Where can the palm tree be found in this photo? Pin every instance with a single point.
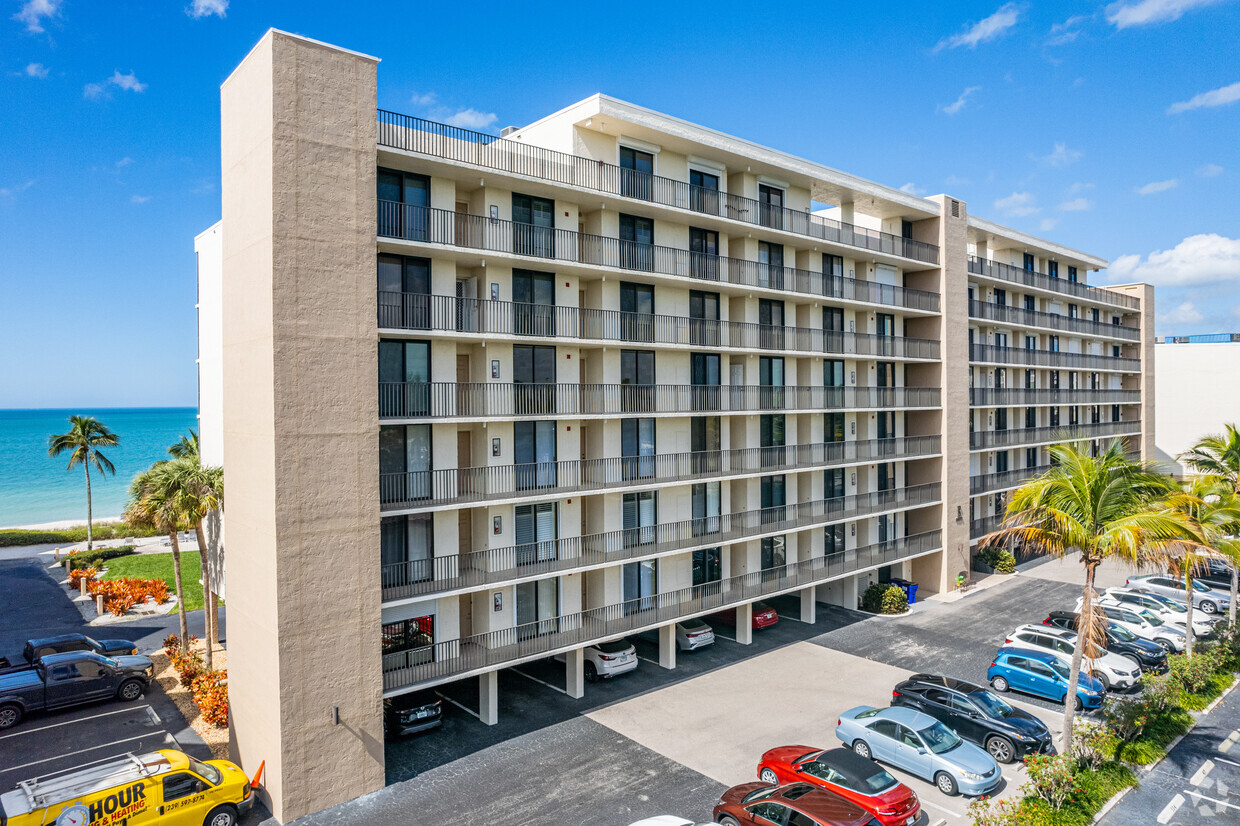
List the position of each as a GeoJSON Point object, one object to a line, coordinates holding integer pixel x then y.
{"type": "Point", "coordinates": [1220, 456]}
{"type": "Point", "coordinates": [195, 491]}
{"type": "Point", "coordinates": [186, 447]}
{"type": "Point", "coordinates": [1210, 503]}
{"type": "Point", "coordinates": [152, 503]}
{"type": "Point", "coordinates": [86, 435]}
{"type": "Point", "coordinates": [1097, 508]}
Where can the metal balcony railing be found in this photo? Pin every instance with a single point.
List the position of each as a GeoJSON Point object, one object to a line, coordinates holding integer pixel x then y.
{"type": "Point", "coordinates": [986, 524]}
{"type": "Point", "coordinates": [490, 152]}
{"type": "Point", "coordinates": [1032, 318]}
{"type": "Point", "coordinates": [1029, 278]}
{"type": "Point", "coordinates": [417, 311]}
{"type": "Point", "coordinates": [453, 658]}
{"type": "Point", "coordinates": [431, 488]}
{"type": "Point", "coordinates": [407, 400]}
{"type": "Point", "coordinates": [482, 568]}
{"type": "Point", "coordinates": [1050, 358]}
{"type": "Point", "coordinates": [1006, 479]}
{"type": "Point", "coordinates": [1033, 396]}
{"type": "Point", "coordinates": [437, 226]}
{"type": "Point", "coordinates": [1060, 433]}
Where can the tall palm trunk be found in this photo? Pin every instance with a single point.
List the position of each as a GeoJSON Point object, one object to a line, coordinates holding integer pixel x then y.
{"type": "Point", "coordinates": [176, 574]}
{"type": "Point", "coordinates": [1188, 618]}
{"type": "Point", "coordinates": [207, 595]}
{"type": "Point", "coordinates": [90, 532]}
{"type": "Point", "coordinates": [1084, 632]}
{"type": "Point", "coordinates": [1235, 592]}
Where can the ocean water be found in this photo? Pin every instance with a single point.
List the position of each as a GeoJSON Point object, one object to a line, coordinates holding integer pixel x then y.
{"type": "Point", "coordinates": [36, 488]}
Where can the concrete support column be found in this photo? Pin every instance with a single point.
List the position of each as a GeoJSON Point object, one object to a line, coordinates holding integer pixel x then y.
{"type": "Point", "coordinates": [744, 623]}
{"type": "Point", "coordinates": [809, 606]}
{"type": "Point", "coordinates": [667, 646]}
{"type": "Point", "coordinates": [488, 697]}
{"type": "Point", "coordinates": [574, 673]}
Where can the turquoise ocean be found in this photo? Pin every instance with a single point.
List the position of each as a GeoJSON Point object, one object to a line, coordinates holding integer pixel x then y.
{"type": "Point", "coordinates": [35, 488]}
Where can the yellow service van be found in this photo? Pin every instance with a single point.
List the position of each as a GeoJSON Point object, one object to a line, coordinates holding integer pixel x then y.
{"type": "Point", "coordinates": [164, 787]}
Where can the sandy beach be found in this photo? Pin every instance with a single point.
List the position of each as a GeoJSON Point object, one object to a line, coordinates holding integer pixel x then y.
{"type": "Point", "coordinates": [59, 526]}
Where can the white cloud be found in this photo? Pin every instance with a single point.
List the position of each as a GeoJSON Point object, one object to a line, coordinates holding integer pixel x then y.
{"type": "Point", "coordinates": [139, 199]}
{"type": "Point", "coordinates": [472, 119]}
{"type": "Point", "coordinates": [1210, 170]}
{"type": "Point", "coordinates": [1196, 261]}
{"type": "Point", "coordinates": [1018, 203]}
{"type": "Point", "coordinates": [1061, 155]}
{"type": "Point", "coordinates": [125, 161]}
{"type": "Point", "coordinates": [14, 191]}
{"type": "Point", "coordinates": [34, 11]}
{"type": "Point", "coordinates": [36, 70]}
{"type": "Point", "coordinates": [1215, 97]}
{"type": "Point", "coordinates": [1076, 205]}
{"type": "Point", "coordinates": [1048, 224]}
{"type": "Point", "coordinates": [1067, 31]}
{"type": "Point", "coordinates": [1078, 187]}
{"type": "Point", "coordinates": [956, 180]}
{"type": "Point", "coordinates": [1186, 313]}
{"type": "Point", "coordinates": [953, 108]}
{"type": "Point", "coordinates": [911, 189]}
{"type": "Point", "coordinates": [983, 30]}
{"type": "Point", "coordinates": [1157, 186]}
{"type": "Point", "coordinates": [419, 99]}
{"type": "Point", "coordinates": [203, 8]}
{"type": "Point", "coordinates": [1144, 12]}
{"type": "Point", "coordinates": [94, 91]}
{"type": "Point", "coordinates": [129, 82]}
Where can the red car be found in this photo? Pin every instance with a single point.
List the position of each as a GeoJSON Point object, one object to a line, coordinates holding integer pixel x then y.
{"type": "Point", "coordinates": [763, 616]}
{"type": "Point", "coordinates": [856, 779]}
{"type": "Point", "coordinates": [798, 804]}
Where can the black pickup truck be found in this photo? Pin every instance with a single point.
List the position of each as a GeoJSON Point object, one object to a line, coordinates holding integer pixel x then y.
{"type": "Point", "coordinates": [59, 680]}
{"type": "Point", "coordinates": [64, 643]}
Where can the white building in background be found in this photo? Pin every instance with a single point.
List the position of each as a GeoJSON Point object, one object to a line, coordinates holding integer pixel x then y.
{"type": "Point", "coordinates": [1196, 391]}
{"type": "Point", "coordinates": [209, 248]}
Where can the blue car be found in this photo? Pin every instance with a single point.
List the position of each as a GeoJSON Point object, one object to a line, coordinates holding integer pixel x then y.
{"type": "Point", "coordinates": [1041, 674]}
{"type": "Point", "coordinates": [920, 745]}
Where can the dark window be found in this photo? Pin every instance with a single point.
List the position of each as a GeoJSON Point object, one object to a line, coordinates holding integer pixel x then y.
{"type": "Point", "coordinates": [639, 515]}
{"type": "Point", "coordinates": [534, 454]}
{"type": "Point", "coordinates": [639, 583]}
{"type": "Point", "coordinates": [1031, 304]}
{"type": "Point", "coordinates": [772, 498]}
{"type": "Point", "coordinates": [703, 192]}
{"type": "Point", "coordinates": [704, 374]}
{"type": "Point", "coordinates": [404, 292]}
{"type": "Point", "coordinates": [833, 373]}
{"type": "Point", "coordinates": [404, 378]}
{"type": "Point", "coordinates": [1052, 269]}
{"type": "Point", "coordinates": [1001, 418]}
{"type": "Point", "coordinates": [1001, 461]}
{"type": "Point", "coordinates": [404, 462]}
{"type": "Point", "coordinates": [637, 448]}
{"type": "Point", "coordinates": [774, 552]}
{"type": "Point", "coordinates": [1071, 273]}
{"type": "Point", "coordinates": [833, 483]}
{"type": "Point", "coordinates": [409, 635]}
{"type": "Point", "coordinates": [884, 324]}
{"type": "Point", "coordinates": [538, 605]}
{"type": "Point", "coordinates": [906, 229]}
{"type": "Point", "coordinates": [770, 265]}
{"type": "Point", "coordinates": [405, 549]}
{"type": "Point", "coordinates": [832, 275]}
{"type": "Point", "coordinates": [636, 243]}
{"type": "Point", "coordinates": [771, 427]}
{"type": "Point", "coordinates": [707, 565]}
{"type": "Point", "coordinates": [636, 173]}
{"type": "Point", "coordinates": [834, 537]}
{"type": "Point", "coordinates": [533, 226]}
{"type": "Point", "coordinates": [703, 318]}
{"type": "Point", "coordinates": [886, 425]}
{"type": "Point", "coordinates": [771, 381]}
{"type": "Point", "coordinates": [1031, 457]}
{"type": "Point", "coordinates": [771, 324]}
{"type": "Point", "coordinates": [181, 785]}
{"type": "Point", "coordinates": [536, 530]}
{"type": "Point", "coordinates": [404, 201]}
{"type": "Point", "coordinates": [1001, 297]}
{"type": "Point", "coordinates": [833, 426]}
{"type": "Point", "coordinates": [704, 254]}
{"type": "Point", "coordinates": [533, 303]}
{"type": "Point", "coordinates": [533, 378]}
{"type": "Point", "coordinates": [636, 311]}
{"type": "Point", "coordinates": [637, 381]}
{"type": "Point", "coordinates": [770, 206]}
{"type": "Point", "coordinates": [1029, 261]}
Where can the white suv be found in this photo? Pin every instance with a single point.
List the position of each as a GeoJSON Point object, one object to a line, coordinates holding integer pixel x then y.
{"type": "Point", "coordinates": [1167, 610]}
{"type": "Point", "coordinates": [1112, 670]}
{"type": "Point", "coordinates": [607, 659]}
{"type": "Point", "coordinates": [1145, 624]}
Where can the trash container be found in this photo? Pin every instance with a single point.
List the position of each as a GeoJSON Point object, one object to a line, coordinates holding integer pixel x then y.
{"type": "Point", "coordinates": [909, 589]}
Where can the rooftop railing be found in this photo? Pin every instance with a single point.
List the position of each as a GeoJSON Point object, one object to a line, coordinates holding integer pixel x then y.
{"type": "Point", "coordinates": [1061, 433]}
{"type": "Point", "coordinates": [1050, 358]}
{"type": "Point", "coordinates": [511, 156]}
{"type": "Point", "coordinates": [1001, 396]}
{"type": "Point", "coordinates": [1032, 318]}
{"type": "Point", "coordinates": [453, 658]}
{"type": "Point", "coordinates": [482, 568]}
{"type": "Point", "coordinates": [419, 311]}
{"type": "Point", "coordinates": [1029, 278]}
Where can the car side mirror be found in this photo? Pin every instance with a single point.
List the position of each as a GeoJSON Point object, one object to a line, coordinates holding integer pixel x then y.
{"type": "Point", "coordinates": [102, 672]}
{"type": "Point", "coordinates": [921, 749]}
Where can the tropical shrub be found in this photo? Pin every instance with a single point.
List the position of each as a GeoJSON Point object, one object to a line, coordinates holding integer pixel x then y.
{"type": "Point", "coordinates": [884, 598]}
{"type": "Point", "coordinates": [78, 574]}
{"type": "Point", "coordinates": [188, 664]}
{"type": "Point", "coordinates": [1194, 673]}
{"type": "Point", "coordinates": [1052, 777]}
{"type": "Point", "coordinates": [119, 595]}
{"type": "Point", "coordinates": [211, 696]}
{"type": "Point", "coordinates": [987, 811]}
{"type": "Point", "coordinates": [1159, 692]}
{"type": "Point", "coordinates": [1091, 743]}
{"type": "Point", "coordinates": [1127, 716]}
{"type": "Point", "coordinates": [1000, 559]}
{"type": "Point", "coordinates": [83, 559]}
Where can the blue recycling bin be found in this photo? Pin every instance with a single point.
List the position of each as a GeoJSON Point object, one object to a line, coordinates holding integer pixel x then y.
{"type": "Point", "coordinates": [909, 589]}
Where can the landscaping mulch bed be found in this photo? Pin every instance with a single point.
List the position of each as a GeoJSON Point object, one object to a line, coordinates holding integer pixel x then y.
{"type": "Point", "coordinates": [215, 738]}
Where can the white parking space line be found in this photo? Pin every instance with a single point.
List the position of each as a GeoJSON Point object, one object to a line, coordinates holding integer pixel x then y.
{"type": "Point", "coordinates": [1171, 808]}
{"type": "Point", "coordinates": [167, 736]}
{"type": "Point", "coordinates": [75, 721]}
{"type": "Point", "coordinates": [1196, 795]}
{"type": "Point", "coordinates": [719, 633]}
{"type": "Point", "coordinates": [1228, 762]}
{"type": "Point", "coordinates": [647, 660]}
{"type": "Point", "coordinates": [465, 709]}
{"type": "Point", "coordinates": [540, 682]}
{"type": "Point", "coordinates": [925, 802]}
{"type": "Point", "coordinates": [1201, 773]}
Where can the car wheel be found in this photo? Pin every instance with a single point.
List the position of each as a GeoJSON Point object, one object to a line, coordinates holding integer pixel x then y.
{"type": "Point", "coordinates": [768, 776]}
{"type": "Point", "coordinates": [1079, 703]}
{"type": "Point", "coordinates": [9, 716]}
{"type": "Point", "coordinates": [1209, 607]}
{"type": "Point", "coordinates": [1001, 749]}
{"type": "Point", "coordinates": [724, 820]}
{"type": "Point", "coordinates": [999, 684]}
{"type": "Point", "coordinates": [1166, 645]}
{"type": "Point", "coordinates": [946, 784]}
{"type": "Point", "coordinates": [130, 690]}
{"type": "Point", "coordinates": [591, 673]}
{"type": "Point", "coordinates": [221, 816]}
{"type": "Point", "coordinates": [862, 749]}
{"type": "Point", "coordinates": [1102, 678]}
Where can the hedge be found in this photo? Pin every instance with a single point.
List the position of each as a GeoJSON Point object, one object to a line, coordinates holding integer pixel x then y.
{"type": "Point", "coordinates": [90, 559]}
{"type": "Point", "coordinates": [884, 598]}
{"type": "Point", "coordinates": [107, 530]}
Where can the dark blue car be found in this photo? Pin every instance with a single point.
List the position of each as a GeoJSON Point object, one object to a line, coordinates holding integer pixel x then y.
{"type": "Point", "coordinates": [1041, 674]}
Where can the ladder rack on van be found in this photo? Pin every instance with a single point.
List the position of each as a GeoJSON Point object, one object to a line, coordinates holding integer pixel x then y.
{"type": "Point", "coordinates": [57, 787]}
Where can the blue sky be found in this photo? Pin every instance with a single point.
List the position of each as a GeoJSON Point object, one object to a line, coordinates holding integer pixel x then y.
{"type": "Point", "coordinates": [1113, 128]}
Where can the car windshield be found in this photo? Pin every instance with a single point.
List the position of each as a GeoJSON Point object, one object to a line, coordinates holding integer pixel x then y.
{"type": "Point", "coordinates": [939, 738]}
{"type": "Point", "coordinates": [1149, 617]}
{"type": "Point", "coordinates": [613, 647]}
{"type": "Point", "coordinates": [1121, 633]}
{"type": "Point", "coordinates": [992, 705]}
{"type": "Point", "coordinates": [210, 773]}
{"type": "Point", "coordinates": [1058, 667]}
{"type": "Point", "coordinates": [1197, 586]}
{"type": "Point", "coordinates": [758, 794]}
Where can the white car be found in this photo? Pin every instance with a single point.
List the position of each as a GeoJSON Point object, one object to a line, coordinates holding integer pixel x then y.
{"type": "Point", "coordinates": [1208, 599]}
{"type": "Point", "coordinates": [604, 660]}
{"type": "Point", "coordinates": [1144, 624]}
{"type": "Point", "coordinates": [1167, 610]}
{"type": "Point", "coordinates": [669, 820]}
{"type": "Point", "coordinates": [1112, 670]}
{"type": "Point", "coordinates": [691, 634]}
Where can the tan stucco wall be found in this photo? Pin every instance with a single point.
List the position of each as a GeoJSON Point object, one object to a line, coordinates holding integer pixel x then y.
{"type": "Point", "coordinates": [301, 421]}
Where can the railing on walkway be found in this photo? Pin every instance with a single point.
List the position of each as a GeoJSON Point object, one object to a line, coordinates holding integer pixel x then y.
{"type": "Point", "coordinates": [1061, 433]}
{"type": "Point", "coordinates": [402, 580]}
{"type": "Point", "coordinates": [1004, 479]}
{"type": "Point", "coordinates": [1017, 275]}
{"type": "Point", "coordinates": [998, 396]}
{"type": "Point", "coordinates": [986, 524]}
{"type": "Point", "coordinates": [1032, 318]}
{"type": "Point", "coordinates": [1050, 358]}
{"type": "Point", "coordinates": [490, 152]}
{"type": "Point", "coordinates": [438, 226]}
{"type": "Point", "coordinates": [543, 637]}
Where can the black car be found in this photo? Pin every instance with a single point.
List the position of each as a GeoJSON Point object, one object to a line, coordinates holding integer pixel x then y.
{"type": "Point", "coordinates": [1149, 655]}
{"type": "Point", "coordinates": [1215, 573]}
{"type": "Point", "coordinates": [976, 714]}
{"type": "Point", "coordinates": [411, 713]}
{"type": "Point", "coordinates": [66, 643]}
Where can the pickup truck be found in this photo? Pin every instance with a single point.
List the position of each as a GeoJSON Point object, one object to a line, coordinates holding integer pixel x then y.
{"type": "Point", "coordinates": [59, 680]}
{"type": "Point", "coordinates": [65, 643]}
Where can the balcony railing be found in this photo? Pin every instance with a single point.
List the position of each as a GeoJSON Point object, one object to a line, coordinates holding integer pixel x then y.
{"type": "Point", "coordinates": [452, 658]}
{"type": "Point", "coordinates": [986, 524]}
{"type": "Point", "coordinates": [1061, 433]}
{"type": "Point", "coordinates": [430, 488]}
{"type": "Point", "coordinates": [1016, 275]}
{"type": "Point", "coordinates": [505, 399]}
{"type": "Point", "coordinates": [486, 567]}
{"type": "Point", "coordinates": [437, 226]}
{"type": "Point", "coordinates": [490, 152]}
{"type": "Point", "coordinates": [416, 311]}
{"type": "Point", "coordinates": [1006, 479]}
{"type": "Point", "coordinates": [1032, 318]}
{"type": "Point", "coordinates": [1050, 358]}
{"type": "Point", "coordinates": [1003, 396]}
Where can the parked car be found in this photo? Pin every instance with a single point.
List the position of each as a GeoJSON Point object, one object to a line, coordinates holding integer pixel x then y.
{"type": "Point", "coordinates": [800, 804]}
{"type": "Point", "coordinates": [840, 771]}
{"type": "Point", "coordinates": [669, 820]}
{"type": "Point", "coordinates": [764, 616]}
{"type": "Point", "coordinates": [1148, 655]}
{"type": "Point", "coordinates": [691, 634]}
{"type": "Point", "coordinates": [1042, 674]}
{"type": "Point", "coordinates": [1169, 611]}
{"type": "Point", "coordinates": [1114, 672]}
{"type": "Point", "coordinates": [66, 643]}
{"type": "Point", "coordinates": [976, 714]}
{"type": "Point", "coordinates": [604, 660]}
{"type": "Point", "coordinates": [59, 680]}
{"type": "Point", "coordinates": [920, 745]}
{"type": "Point", "coordinates": [411, 713]}
{"type": "Point", "coordinates": [1144, 624]}
{"type": "Point", "coordinates": [1208, 599]}
{"type": "Point", "coordinates": [1216, 573]}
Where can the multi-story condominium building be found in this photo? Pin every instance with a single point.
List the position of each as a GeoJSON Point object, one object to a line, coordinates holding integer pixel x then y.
{"type": "Point", "coordinates": [482, 400]}
{"type": "Point", "coordinates": [1197, 394]}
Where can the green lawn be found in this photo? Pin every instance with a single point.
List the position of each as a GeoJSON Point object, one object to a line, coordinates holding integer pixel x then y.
{"type": "Point", "coordinates": [159, 566]}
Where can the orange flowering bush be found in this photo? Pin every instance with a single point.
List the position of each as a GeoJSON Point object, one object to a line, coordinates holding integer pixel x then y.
{"type": "Point", "coordinates": [211, 696]}
{"type": "Point", "coordinates": [119, 595]}
{"type": "Point", "coordinates": [78, 574]}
